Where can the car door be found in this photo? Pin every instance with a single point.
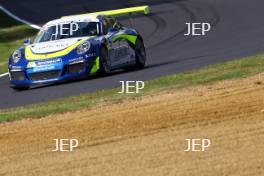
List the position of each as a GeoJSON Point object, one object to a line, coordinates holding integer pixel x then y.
{"type": "Point", "coordinates": [118, 47]}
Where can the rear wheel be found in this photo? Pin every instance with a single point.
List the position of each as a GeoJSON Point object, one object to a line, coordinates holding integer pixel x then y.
{"type": "Point", "coordinates": [104, 61]}
{"type": "Point", "coordinates": [140, 53]}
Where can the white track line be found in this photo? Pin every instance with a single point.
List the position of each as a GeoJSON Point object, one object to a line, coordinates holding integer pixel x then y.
{"type": "Point", "coordinates": [2, 75]}
{"type": "Point", "coordinates": [20, 20]}
{"type": "Point", "coordinates": [17, 18]}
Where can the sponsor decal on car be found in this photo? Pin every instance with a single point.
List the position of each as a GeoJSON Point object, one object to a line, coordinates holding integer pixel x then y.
{"type": "Point", "coordinates": [45, 68]}
{"type": "Point", "coordinates": [42, 66]}
{"type": "Point", "coordinates": [48, 62]}
{"type": "Point", "coordinates": [43, 63]}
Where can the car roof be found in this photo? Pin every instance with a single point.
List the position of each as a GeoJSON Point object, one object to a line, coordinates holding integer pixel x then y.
{"type": "Point", "coordinates": [98, 16]}
{"type": "Point", "coordinates": [74, 18]}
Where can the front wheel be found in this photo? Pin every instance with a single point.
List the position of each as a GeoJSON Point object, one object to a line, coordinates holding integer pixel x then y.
{"type": "Point", "coordinates": [140, 53]}
{"type": "Point", "coordinates": [20, 88]}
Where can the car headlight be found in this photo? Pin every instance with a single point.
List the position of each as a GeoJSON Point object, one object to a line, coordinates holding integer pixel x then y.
{"type": "Point", "coordinates": [84, 47]}
{"type": "Point", "coordinates": [16, 56]}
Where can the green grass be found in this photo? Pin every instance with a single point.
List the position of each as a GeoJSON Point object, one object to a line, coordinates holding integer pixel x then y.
{"type": "Point", "coordinates": [12, 36]}
{"type": "Point", "coordinates": [229, 70]}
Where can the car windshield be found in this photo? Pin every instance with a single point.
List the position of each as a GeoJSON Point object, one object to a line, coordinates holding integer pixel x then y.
{"type": "Point", "coordinates": [67, 30]}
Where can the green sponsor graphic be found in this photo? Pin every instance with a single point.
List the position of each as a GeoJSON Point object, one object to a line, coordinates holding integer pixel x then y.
{"type": "Point", "coordinates": [131, 38]}
{"type": "Point", "coordinates": [95, 67]}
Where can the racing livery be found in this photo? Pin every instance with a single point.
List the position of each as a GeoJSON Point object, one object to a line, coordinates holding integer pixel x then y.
{"type": "Point", "coordinates": [78, 46]}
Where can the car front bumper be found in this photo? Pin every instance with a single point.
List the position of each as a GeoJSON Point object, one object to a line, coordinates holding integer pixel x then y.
{"type": "Point", "coordinates": [49, 74]}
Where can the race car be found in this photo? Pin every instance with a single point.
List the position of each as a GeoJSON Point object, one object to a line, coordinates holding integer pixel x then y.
{"type": "Point", "coordinates": [78, 46]}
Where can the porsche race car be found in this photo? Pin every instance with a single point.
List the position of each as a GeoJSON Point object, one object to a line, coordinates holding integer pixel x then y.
{"type": "Point", "coordinates": [78, 46]}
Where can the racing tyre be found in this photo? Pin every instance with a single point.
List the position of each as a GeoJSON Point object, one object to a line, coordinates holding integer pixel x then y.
{"type": "Point", "coordinates": [140, 54]}
{"type": "Point", "coordinates": [104, 61]}
{"type": "Point", "coordinates": [20, 88]}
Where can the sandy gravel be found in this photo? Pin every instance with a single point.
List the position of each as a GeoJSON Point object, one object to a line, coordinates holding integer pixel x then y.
{"type": "Point", "coordinates": [147, 136]}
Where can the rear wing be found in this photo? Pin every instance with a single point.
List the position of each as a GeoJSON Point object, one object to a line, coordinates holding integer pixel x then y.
{"type": "Point", "coordinates": [144, 9]}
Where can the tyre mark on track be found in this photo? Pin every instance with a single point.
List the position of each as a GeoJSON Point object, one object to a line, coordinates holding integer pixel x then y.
{"type": "Point", "coordinates": [160, 25]}
{"type": "Point", "coordinates": [192, 19]}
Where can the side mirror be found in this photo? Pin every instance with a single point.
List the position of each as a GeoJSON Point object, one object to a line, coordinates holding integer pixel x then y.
{"type": "Point", "coordinates": [27, 42]}
{"type": "Point", "coordinates": [111, 30]}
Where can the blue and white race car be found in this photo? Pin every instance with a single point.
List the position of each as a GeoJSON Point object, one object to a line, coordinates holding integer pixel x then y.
{"type": "Point", "coordinates": [78, 46]}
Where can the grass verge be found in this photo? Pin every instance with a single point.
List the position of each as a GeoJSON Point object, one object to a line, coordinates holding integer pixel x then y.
{"type": "Point", "coordinates": [12, 36]}
{"type": "Point", "coordinates": [230, 70]}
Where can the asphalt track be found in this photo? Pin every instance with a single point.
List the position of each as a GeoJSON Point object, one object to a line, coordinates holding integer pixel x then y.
{"type": "Point", "coordinates": [238, 27]}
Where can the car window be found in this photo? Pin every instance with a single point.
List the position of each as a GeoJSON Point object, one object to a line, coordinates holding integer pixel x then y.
{"type": "Point", "coordinates": [108, 23]}
{"type": "Point", "coordinates": [106, 26]}
{"type": "Point", "coordinates": [51, 33]}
